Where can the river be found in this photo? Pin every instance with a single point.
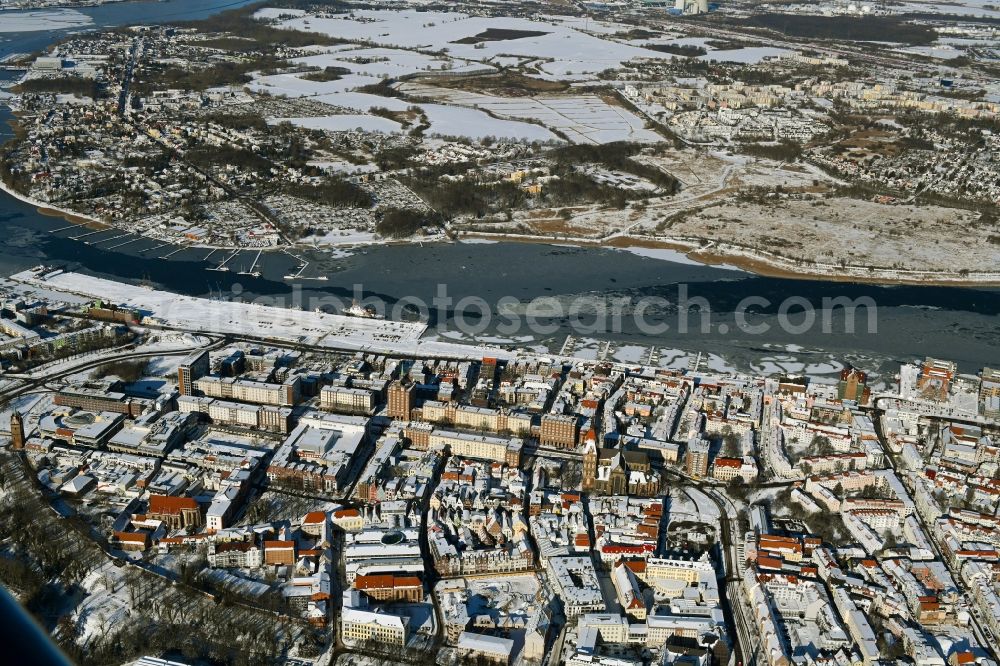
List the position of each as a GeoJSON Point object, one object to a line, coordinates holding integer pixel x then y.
{"type": "Point", "coordinates": [962, 324]}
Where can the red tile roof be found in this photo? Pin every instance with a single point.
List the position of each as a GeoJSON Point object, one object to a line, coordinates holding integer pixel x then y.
{"type": "Point", "coordinates": [136, 537]}
{"type": "Point", "coordinates": [346, 513]}
{"type": "Point", "coordinates": [170, 505]}
{"type": "Point", "coordinates": [384, 582]}
{"type": "Point", "coordinates": [276, 545]}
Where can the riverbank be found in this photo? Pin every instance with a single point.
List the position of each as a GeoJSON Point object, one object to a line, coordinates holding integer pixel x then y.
{"type": "Point", "coordinates": [769, 265]}
{"type": "Point", "coordinates": [49, 210]}
{"type": "Point", "coordinates": [760, 262]}
{"type": "Point", "coordinates": [722, 255]}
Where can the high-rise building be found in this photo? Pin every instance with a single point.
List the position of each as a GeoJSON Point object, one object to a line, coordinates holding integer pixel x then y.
{"type": "Point", "coordinates": [400, 400]}
{"type": "Point", "coordinates": [17, 430]}
{"type": "Point", "coordinates": [696, 460]}
{"type": "Point", "coordinates": [191, 368]}
{"type": "Point", "coordinates": [233, 365]}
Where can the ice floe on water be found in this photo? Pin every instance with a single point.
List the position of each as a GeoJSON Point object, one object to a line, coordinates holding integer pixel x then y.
{"type": "Point", "coordinates": [34, 21]}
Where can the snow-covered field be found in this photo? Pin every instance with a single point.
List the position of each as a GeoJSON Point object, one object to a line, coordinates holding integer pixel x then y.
{"type": "Point", "coordinates": [401, 44]}
{"type": "Point", "coordinates": [444, 120]}
{"type": "Point", "coordinates": [31, 21]}
{"type": "Point", "coordinates": [940, 51]}
{"type": "Point", "coordinates": [106, 604]}
{"type": "Point", "coordinates": [750, 55]}
{"type": "Point", "coordinates": [475, 124]}
{"type": "Point", "coordinates": [566, 50]}
{"type": "Point", "coordinates": [581, 118]}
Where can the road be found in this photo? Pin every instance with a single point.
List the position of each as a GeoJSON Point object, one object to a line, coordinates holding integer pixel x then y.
{"type": "Point", "coordinates": [431, 576]}
{"type": "Point", "coordinates": [728, 549]}
{"type": "Point", "coordinates": [135, 51]}
{"type": "Point", "coordinates": [27, 383]}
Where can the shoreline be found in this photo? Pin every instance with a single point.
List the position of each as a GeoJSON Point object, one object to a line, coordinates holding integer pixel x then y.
{"type": "Point", "coordinates": [717, 254]}
{"type": "Point", "coordinates": [714, 254]}
{"type": "Point", "coordinates": [49, 210]}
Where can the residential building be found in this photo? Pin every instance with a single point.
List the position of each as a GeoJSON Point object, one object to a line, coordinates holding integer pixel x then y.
{"type": "Point", "coordinates": [342, 398]}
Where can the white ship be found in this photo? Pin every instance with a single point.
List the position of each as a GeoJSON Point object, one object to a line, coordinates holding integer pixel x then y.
{"type": "Point", "coordinates": [358, 310]}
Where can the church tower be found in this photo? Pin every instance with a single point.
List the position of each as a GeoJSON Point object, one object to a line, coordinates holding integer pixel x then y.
{"type": "Point", "coordinates": [17, 430]}
{"type": "Point", "coordinates": [589, 463]}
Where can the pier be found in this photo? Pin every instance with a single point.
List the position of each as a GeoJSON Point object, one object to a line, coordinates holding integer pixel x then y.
{"type": "Point", "coordinates": [222, 266]}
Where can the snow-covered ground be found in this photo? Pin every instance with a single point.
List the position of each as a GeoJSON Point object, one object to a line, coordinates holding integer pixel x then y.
{"type": "Point", "coordinates": [567, 49]}
{"type": "Point", "coordinates": [750, 55]}
{"type": "Point", "coordinates": [406, 43]}
{"type": "Point", "coordinates": [708, 512]}
{"type": "Point", "coordinates": [202, 315]}
{"type": "Point", "coordinates": [444, 120]}
{"type": "Point", "coordinates": [475, 124]}
{"type": "Point", "coordinates": [581, 118]}
{"type": "Point", "coordinates": [106, 604]}
{"type": "Point", "coordinates": [24, 404]}
{"type": "Point", "coordinates": [631, 354]}
{"type": "Point", "coordinates": [939, 51]}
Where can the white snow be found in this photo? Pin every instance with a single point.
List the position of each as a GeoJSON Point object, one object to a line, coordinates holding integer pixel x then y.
{"type": "Point", "coordinates": [270, 320]}
{"type": "Point", "coordinates": [476, 124]}
{"type": "Point", "coordinates": [750, 55]}
{"type": "Point", "coordinates": [565, 50]}
{"type": "Point", "coordinates": [581, 118]}
{"type": "Point", "coordinates": [204, 315]}
{"type": "Point", "coordinates": [478, 241]}
{"type": "Point", "coordinates": [941, 52]}
{"type": "Point", "coordinates": [106, 604]}
{"type": "Point", "coordinates": [404, 43]}
{"type": "Point", "coordinates": [663, 254]}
